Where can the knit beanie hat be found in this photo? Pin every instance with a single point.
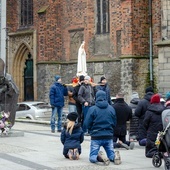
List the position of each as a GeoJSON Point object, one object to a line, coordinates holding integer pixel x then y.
{"type": "Point", "coordinates": [167, 95]}
{"type": "Point", "coordinates": [102, 78]}
{"type": "Point", "coordinates": [87, 78]}
{"type": "Point", "coordinates": [135, 95]}
{"type": "Point", "coordinates": [72, 116]}
{"type": "Point", "coordinates": [149, 89]}
{"type": "Point", "coordinates": [57, 77]}
{"type": "Point", "coordinates": [81, 78]}
{"type": "Point", "coordinates": [155, 99]}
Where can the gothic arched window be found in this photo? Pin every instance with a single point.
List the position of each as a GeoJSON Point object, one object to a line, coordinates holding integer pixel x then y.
{"type": "Point", "coordinates": [102, 16]}
{"type": "Point", "coordinates": [26, 8]}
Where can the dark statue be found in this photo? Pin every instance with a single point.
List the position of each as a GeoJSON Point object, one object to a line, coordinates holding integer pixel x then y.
{"type": "Point", "coordinates": [8, 93]}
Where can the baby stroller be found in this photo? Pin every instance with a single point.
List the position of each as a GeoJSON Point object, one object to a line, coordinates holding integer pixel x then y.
{"type": "Point", "coordinates": [163, 143]}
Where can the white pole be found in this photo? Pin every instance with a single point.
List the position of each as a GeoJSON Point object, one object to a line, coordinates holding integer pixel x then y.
{"type": "Point", "coordinates": [3, 30]}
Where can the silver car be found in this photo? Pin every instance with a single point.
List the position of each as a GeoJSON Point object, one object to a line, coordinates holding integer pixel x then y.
{"type": "Point", "coordinates": [34, 110]}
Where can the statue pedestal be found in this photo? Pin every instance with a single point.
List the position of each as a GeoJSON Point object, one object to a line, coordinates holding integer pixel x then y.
{"type": "Point", "coordinates": [13, 133]}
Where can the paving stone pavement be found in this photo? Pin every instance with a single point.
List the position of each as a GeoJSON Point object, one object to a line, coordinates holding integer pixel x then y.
{"type": "Point", "coordinates": [39, 149]}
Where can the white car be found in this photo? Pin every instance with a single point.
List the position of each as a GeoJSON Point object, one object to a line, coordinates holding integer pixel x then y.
{"type": "Point", "coordinates": [34, 110]}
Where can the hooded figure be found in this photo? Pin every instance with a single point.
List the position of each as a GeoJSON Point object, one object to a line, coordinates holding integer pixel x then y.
{"type": "Point", "coordinates": [101, 118]}
{"type": "Point", "coordinates": [101, 121]}
{"type": "Point", "coordinates": [153, 124]}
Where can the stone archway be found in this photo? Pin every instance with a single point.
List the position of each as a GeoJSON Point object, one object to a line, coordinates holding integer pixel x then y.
{"type": "Point", "coordinates": [19, 64]}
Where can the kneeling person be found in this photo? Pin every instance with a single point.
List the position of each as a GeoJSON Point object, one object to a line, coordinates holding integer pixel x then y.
{"type": "Point", "coordinates": [100, 121]}
{"type": "Point", "coordinates": [71, 137]}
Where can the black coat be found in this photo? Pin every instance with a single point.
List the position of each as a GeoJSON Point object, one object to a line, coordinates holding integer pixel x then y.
{"type": "Point", "coordinates": [153, 124]}
{"type": "Point", "coordinates": [140, 113]}
{"type": "Point", "coordinates": [123, 114]}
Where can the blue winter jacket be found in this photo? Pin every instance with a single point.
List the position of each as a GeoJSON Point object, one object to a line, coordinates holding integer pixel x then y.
{"type": "Point", "coordinates": [57, 93]}
{"type": "Point", "coordinates": [106, 89]}
{"type": "Point", "coordinates": [101, 118]}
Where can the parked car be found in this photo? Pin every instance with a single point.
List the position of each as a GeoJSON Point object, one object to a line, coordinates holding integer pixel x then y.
{"type": "Point", "coordinates": [34, 110]}
{"type": "Point", "coordinates": [37, 111]}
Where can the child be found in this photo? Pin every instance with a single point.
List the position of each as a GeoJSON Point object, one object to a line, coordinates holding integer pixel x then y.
{"type": "Point", "coordinates": [71, 137]}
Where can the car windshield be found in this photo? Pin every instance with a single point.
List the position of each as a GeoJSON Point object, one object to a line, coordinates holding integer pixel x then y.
{"type": "Point", "coordinates": [42, 106]}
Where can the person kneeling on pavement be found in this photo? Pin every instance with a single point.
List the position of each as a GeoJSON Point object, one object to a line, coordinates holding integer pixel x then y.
{"type": "Point", "coordinates": [123, 114]}
{"type": "Point", "coordinates": [100, 122]}
{"type": "Point", "coordinates": [71, 137]}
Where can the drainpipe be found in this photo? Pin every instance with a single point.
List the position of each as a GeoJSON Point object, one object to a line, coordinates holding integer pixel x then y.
{"type": "Point", "coordinates": [150, 44]}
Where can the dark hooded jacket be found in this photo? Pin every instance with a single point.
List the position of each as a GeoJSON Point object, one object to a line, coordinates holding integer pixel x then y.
{"type": "Point", "coordinates": [140, 113]}
{"type": "Point", "coordinates": [153, 124]}
{"type": "Point", "coordinates": [72, 141]}
{"type": "Point", "coordinates": [153, 121]}
{"type": "Point", "coordinates": [123, 114]}
{"type": "Point", "coordinates": [101, 118]}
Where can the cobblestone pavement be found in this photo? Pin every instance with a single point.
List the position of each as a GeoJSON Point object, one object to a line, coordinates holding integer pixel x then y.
{"type": "Point", "coordinates": [39, 149]}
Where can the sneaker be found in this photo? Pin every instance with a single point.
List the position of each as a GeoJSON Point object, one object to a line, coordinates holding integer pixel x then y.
{"type": "Point", "coordinates": [58, 130]}
{"type": "Point", "coordinates": [102, 158]}
{"type": "Point", "coordinates": [117, 160]}
{"type": "Point", "coordinates": [123, 145]}
{"type": "Point", "coordinates": [52, 131]}
{"type": "Point", "coordinates": [132, 145]}
{"type": "Point", "coordinates": [73, 154]}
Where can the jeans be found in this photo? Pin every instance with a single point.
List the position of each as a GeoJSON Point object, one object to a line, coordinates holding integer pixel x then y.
{"type": "Point", "coordinates": [59, 111]}
{"type": "Point", "coordinates": [95, 147]}
{"type": "Point", "coordinates": [85, 110]}
{"type": "Point", "coordinates": [72, 108]}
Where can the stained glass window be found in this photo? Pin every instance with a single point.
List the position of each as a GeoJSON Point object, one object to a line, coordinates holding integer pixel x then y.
{"type": "Point", "coordinates": [102, 16]}
{"type": "Point", "coordinates": [26, 12]}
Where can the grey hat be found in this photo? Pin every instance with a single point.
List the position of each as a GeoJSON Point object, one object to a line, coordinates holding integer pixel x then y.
{"type": "Point", "coordinates": [87, 78]}
{"type": "Point", "coordinates": [135, 95]}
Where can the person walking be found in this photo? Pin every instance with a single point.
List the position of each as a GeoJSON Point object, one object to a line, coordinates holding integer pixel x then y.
{"type": "Point", "coordinates": [104, 86]}
{"type": "Point", "coordinates": [75, 97]}
{"type": "Point", "coordinates": [71, 137]}
{"type": "Point", "coordinates": [140, 113]}
{"type": "Point", "coordinates": [123, 114]}
{"type": "Point", "coordinates": [100, 122]}
{"type": "Point", "coordinates": [56, 95]}
{"type": "Point", "coordinates": [134, 122]}
{"type": "Point", "coordinates": [153, 124]}
{"type": "Point", "coordinates": [86, 96]}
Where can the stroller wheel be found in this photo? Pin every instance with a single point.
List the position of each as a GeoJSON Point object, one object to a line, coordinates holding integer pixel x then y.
{"type": "Point", "coordinates": [156, 161]}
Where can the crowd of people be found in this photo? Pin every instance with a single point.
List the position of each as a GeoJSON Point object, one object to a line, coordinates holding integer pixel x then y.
{"type": "Point", "coordinates": [92, 113]}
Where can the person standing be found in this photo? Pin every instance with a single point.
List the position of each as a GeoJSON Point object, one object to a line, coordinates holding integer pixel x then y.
{"type": "Point", "coordinates": [140, 113]}
{"type": "Point", "coordinates": [101, 121]}
{"type": "Point", "coordinates": [56, 95]}
{"type": "Point", "coordinates": [104, 86]}
{"type": "Point", "coordinates": [134, 122]}
{"type": "Point", "coordinates": [153, 124]}
{"type": "Point", "coordinates": [75, 97]}
{"type": "Point", "coordinates": [71, 101]}
{"type": "Point", "coordinates": [123, 114]}
{"type": "Point", "coordinates": [71, 137]}
{"type": "Point", "coordinates": [86, 96]}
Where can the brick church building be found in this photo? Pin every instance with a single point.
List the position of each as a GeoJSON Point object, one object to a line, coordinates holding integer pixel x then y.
{"type": "Point", "coordinates": [126, 40]}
